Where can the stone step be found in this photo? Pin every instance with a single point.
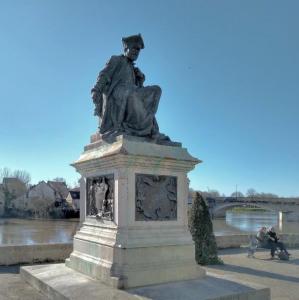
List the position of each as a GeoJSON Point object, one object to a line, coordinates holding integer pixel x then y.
{"type": "Point", "coordinates": [56, 281]}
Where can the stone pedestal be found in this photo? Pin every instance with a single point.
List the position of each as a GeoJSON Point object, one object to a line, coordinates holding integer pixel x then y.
{"type": "Point", "coordinates": [135, 231]}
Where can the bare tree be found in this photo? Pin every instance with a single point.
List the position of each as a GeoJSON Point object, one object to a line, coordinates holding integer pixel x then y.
{"type": "Point", "coordinates": [209, 194]}
{"type": "Point", "coordinates": [59, 179]}
{"type": "Point", "coordinates": [4, 172]}
{"type": "Point", "coordinates": [213, 193]}
{"type": "Point", "coordinates": [76, 184]}
{"type": "Point", "coordinates": [267, 195]}
{"type": "Point", "coordinates": [251, 193]}
{"type": "Point", "coordinates": [22, 175]}
{"type": "Point", "coordinates": [237, 194]}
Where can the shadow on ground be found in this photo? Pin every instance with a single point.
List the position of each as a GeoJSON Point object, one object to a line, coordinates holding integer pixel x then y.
{"type": "Point", "coordinates": [10, 269]}
{"type": "Point", "coordinates": [250, 271]}
{"type": "Point", "coordinates": [209, 287]}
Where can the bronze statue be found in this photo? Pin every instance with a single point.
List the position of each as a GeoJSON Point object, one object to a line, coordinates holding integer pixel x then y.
{"type": "Point", "coordinates": [122, 103]}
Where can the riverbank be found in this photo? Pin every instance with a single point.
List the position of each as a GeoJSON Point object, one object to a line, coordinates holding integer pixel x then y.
{"type": "Point", "coordinates": [22, 220]}
{"type": "Point", "coordinates": [58, 252]}
{"type": "Point", "coordinates": [37, 253]}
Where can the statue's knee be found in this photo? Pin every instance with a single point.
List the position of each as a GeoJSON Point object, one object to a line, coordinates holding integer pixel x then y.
{"type": "Point", "coordinates": [157, 90]}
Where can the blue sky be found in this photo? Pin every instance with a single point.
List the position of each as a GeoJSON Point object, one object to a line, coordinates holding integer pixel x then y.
{"type": "Point", "coordinates": [228, 71]}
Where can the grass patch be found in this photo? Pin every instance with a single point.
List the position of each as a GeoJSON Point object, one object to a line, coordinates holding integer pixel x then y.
{"type": "Point", "coordinates": [248, 209]}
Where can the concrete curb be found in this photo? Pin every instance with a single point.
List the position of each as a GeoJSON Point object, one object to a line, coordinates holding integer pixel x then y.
{"type": "Point", "coordinates": [36, 253]}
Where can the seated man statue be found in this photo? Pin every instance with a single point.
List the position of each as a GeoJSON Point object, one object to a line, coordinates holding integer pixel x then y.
{"type": "Point", "coordinates": [123, 104]}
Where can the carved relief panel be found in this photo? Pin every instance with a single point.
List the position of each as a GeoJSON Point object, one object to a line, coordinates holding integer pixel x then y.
{"type": "Point", "coordinates": [155, 197]}
{"type": "Point", "coordinates": [100, 197]}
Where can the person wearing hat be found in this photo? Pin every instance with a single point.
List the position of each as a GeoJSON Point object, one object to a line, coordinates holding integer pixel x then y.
{"type": "Point", "coordinates": [122, 103]}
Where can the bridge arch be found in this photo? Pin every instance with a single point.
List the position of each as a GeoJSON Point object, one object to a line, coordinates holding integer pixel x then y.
{"type": "Point", "coordinates": [287, 208]}
{"type": "Point", "coordinates": [220, 210]}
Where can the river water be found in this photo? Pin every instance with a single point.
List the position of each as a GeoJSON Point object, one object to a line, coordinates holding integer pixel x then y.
{"type": "Point", "coordinates": [27, 232]}
{"type": "Point", "coordinates": [251, 222]}
{"type": "Point", "coordinates": [20, 231]}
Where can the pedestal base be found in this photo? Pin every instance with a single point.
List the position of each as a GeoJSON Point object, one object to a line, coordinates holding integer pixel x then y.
{"type": "Point", "coordinates": [146, 239]}
{"type": "Point", "coordinates": [137, 266]}
{"type": "Point", "coordinates": [125, 258]}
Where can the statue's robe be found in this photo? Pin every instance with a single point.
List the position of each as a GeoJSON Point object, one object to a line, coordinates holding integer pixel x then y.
{"type": "Point", "coordinates": [123, 104]}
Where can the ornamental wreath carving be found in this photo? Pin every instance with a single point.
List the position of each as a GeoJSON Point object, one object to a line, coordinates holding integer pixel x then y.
{"type": "Point", "coordinates": [155, 197]}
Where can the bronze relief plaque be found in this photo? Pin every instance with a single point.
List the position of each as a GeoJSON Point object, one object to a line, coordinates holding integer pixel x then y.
{"type": "Point", "coordinates": [155, 197]}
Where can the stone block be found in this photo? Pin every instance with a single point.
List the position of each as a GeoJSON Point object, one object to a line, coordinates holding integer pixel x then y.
{"type": "Point", "coordinates": [58, 282]}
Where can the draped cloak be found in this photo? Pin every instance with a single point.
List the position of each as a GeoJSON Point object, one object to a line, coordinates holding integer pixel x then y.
{"type": "Point", "coordinates": [122, 103]}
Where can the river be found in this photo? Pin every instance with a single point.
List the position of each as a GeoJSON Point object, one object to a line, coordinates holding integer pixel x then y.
{"type": "Point", "coordinates": [251, 222]}
{"type": "Point", "coordinates": [27, 232]}
{"type": "Point", "coordinates": [20, 231]}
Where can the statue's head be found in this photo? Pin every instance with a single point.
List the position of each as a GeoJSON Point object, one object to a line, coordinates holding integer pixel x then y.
{"type": "Point", "coordinates": [132, 45]}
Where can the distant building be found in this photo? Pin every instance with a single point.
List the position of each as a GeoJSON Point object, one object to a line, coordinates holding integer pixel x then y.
{"type": "Point", "coordinates": [73, 199]}
{"type": "Point", "coordinates": [39, 197]}
{"type": "Point", "coordinates": [44, 200]}
{"type": "Point", "coordinates": [60, 189]}
{"type": "Point", "coordinates": [40, 200]}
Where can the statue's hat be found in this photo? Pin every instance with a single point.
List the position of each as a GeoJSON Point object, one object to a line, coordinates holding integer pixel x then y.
{"type": "Point", "coordinates": [133, 40]}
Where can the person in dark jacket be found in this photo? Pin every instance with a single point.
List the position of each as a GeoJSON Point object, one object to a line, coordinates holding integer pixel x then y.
{"type": "Point", "coordinates": [275, 243]}
{"type": "Point", "coordinates": [264, 240]}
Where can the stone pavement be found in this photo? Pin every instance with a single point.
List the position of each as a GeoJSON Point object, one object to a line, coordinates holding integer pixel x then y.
{"type": "Point", "coordinates": [13, 287]}
{"type": "Point", "coordinates": [59, 282]}
{"type": "Point", "coordinates": [281, 276]}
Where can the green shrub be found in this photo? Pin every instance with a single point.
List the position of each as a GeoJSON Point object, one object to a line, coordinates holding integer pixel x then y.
{"type": "Point", "coordinates": [201, 229]}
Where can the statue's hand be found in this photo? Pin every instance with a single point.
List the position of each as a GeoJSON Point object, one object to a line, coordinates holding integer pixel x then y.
{"type": "Point", "coordinates": [138, 73]}
{"type": "Point", "coordinates": [140, 77]}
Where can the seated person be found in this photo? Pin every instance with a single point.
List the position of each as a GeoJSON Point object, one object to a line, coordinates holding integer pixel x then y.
{"type": "Point", "coordinates": [263, 238]}
{"type": "Point", "coordinates": [274, 243]}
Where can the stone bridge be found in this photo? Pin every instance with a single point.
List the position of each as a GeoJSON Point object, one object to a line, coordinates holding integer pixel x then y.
{"type": "Point", "coordinates": [286, 208]}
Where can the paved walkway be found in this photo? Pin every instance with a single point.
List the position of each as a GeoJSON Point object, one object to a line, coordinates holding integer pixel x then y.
{"type": "Point", "coordinates": [13, 287]}
{"type": "Point", "coordinates": [281, 276]}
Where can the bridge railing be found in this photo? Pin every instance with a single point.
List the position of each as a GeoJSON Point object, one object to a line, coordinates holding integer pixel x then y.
{"type": "Point", "coordinates": [217, 200]}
